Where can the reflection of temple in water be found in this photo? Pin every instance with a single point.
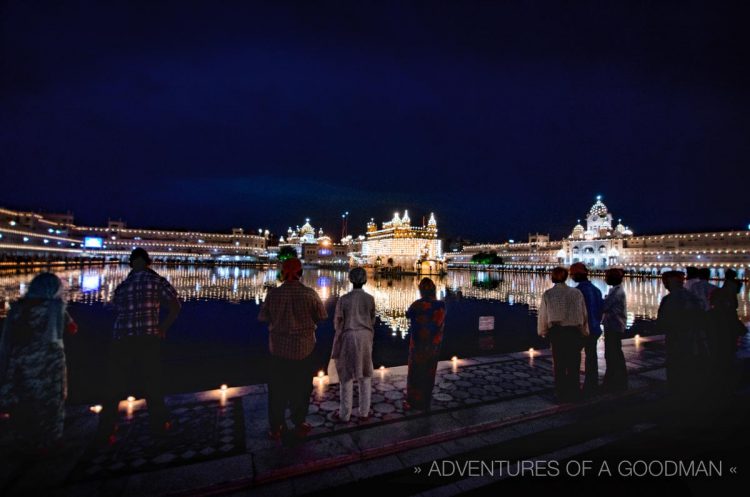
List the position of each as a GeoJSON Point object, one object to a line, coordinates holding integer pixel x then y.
{"type": "Point", "coordinates": [643, 295]}
{"type": "Point", "coordinates": [392, 296]}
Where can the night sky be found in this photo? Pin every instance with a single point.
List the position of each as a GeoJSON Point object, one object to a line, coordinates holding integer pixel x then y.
{"type": "Point", "coordinates": [501, 117]}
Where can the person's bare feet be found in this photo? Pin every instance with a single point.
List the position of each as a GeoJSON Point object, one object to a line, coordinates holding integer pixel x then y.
{"type": "Point", "coordinates": [336, 417]}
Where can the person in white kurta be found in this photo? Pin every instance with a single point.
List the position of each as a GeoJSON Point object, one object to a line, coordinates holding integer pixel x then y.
{"type": "Point", "coordinates": [354, 322]}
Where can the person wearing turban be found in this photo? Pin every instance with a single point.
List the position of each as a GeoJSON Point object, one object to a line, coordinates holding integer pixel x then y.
{"type": "Point", "coordinates": [292, 312]}
{"type": "Point", "coordinates": [354, 322]}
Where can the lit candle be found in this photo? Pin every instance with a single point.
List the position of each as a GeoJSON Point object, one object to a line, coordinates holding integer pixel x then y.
{"type": "Point", "coordinates": [382, 368]}
{"type": "Point", "coordinates": [531, 351]}
{"type": "Point", "coordinates": [224, 387]}
{"type": "Point", "coordinates": [95, 409]}
{"type": "Point", "coordinates": [454, 358]}
{"type": "Point", "coordinates": [321, 374]}
{"type": "Point", "coordinates": [131, 399]}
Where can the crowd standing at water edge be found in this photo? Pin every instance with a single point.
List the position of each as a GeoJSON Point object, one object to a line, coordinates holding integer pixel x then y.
{"type": "Point", "coordinates": [699, 320]}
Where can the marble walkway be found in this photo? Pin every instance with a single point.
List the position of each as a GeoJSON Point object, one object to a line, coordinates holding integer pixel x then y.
{"type": "Point", "coordinates": [219, 442]}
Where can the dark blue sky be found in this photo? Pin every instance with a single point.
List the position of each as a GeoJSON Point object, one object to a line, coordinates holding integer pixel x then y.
{"type": "Point", "coordinates": [502, 117]}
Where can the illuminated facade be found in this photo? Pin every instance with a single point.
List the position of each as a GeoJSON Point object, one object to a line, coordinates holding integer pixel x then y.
{"type": "Point", "coordinates": [600, 245]}
{"type": "Point", "coordinates": [315, 250]}
{"type": "Point", "coordinates": [25, 235]}
{"type": "Point", "coordinates": [399, 245]}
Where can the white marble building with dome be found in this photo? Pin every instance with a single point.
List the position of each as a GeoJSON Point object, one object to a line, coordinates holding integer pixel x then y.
{"type": "Point", "coordinates": [601, 244]}
{"type": "Point", "coordinates": [315, 248]}
{"type": "Point", "coordinates": [403, 246]}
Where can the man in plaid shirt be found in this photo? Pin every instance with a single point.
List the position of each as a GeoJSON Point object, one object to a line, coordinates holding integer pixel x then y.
{"type": "Point", "coordinates": [292, 312]}
{"type": "Point", "coordinates": [136, 344]}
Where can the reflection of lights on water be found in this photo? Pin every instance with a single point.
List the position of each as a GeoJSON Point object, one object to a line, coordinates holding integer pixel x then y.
{"type": "Point", "coordinates": [629, 319]}
{"type": "Point", "coordinates": [90, 283]}
{"type": "Point", "coordinates": [392, 298]}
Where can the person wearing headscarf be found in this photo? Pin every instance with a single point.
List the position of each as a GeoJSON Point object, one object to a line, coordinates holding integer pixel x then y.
{"type": "Point", "coordinates": [354, 322]}
{"type": "Point", "coordinates": [292, 312]}
{"type": "Point", "coordinates": [427, 317]}
{"type": "Point", "coordinates": [33, 383]}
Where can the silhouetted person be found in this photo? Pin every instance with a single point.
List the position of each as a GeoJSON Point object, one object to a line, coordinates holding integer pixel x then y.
{"type": "Point", "coordinates": [692, 277]}
{"type": "Point", "coordinates": [614, 321]}
{"type": "Point", "coordinates": [682, 320]}
{"type": "Point", "coordinates": [733, 286]}
{"type": "Point", "coordinates": [703, 288]}
{"type": "Point", "coordinates": [33, 380]}
{"type": "Point", "coordinates": [136, 348]}
{"type": "Point", "coordinates": [427, 322]}
{"type": "Point", "coordinates": [563, 319]}
{"type": "Point", "coordinates": [593, 298]}
{"type": "Point", "coordinates": [292, 312]}
{"type": "Point", "coordinates": [354, 322]}
{"type": "Point", "coordinates": [726, 328]}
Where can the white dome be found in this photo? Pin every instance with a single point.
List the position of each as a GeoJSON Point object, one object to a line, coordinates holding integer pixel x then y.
{"type": "Point", "coordinates": [307, 228]}
{"type": "Point", "coordinates": [598, 209]}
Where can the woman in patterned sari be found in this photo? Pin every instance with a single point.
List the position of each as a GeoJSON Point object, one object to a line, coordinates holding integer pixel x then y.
{"type": "Point", "coordinates": [427, 317]}
{"type": "Point", "coordinates": [33, 383]}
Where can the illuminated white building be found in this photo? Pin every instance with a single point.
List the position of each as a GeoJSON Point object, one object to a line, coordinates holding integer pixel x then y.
{"type": "Point", "coordinates": [400, 245]}
{"type": "Point", "coordinates": [598, 246]}
{"type": "Point", "coordinates": [601, 245]}
{"type": "Point", "coordinates": [315, 250]}
{"type": "Point", "coordinates": [26, 236]}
